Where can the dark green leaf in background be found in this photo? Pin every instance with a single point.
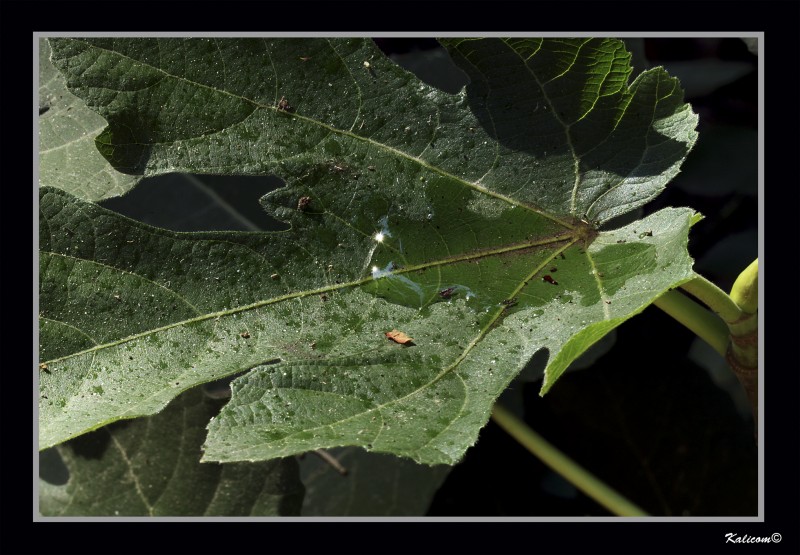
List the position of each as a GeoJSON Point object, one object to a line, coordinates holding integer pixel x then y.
{"type": "Point", "coordinates": [466, 221]}
{"type": "Point", "coordinates": [375, 485]}
{"type": "Point", "coordinates": [151, 467]}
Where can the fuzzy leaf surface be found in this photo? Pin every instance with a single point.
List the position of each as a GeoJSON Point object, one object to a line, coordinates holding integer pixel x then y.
{"type": "Point", "coordinates": [68, 157]}
{"type": "Point", "coordinates": [457, 220]}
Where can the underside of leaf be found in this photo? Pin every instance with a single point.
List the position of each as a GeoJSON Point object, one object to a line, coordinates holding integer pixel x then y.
{"type": "Point", "coordinates": [465, 222]}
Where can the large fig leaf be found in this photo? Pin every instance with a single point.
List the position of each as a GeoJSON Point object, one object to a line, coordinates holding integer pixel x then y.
{"type": "Point", "coordinates": [467, 222]}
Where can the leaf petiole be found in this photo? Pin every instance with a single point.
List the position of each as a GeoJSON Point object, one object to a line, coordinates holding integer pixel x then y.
{"type": "Point", "coordinates": [733, 332]}
{"type": "Point", "coordinates": [566, 467]}
{"type": "Point", "coordinates": [714, 298]}
{"type": "Point", "coordinates": [698, 319]}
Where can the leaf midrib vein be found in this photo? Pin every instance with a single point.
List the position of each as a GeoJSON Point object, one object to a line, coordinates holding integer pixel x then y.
{"type": "Point", "coordinates": [390, 149]}
{"type": "Point", "coordinates": [445, 371]}
{"type": "Point", "coordinates": [565, 237]}
{"type": "Point", "coordinates": [567, 127]}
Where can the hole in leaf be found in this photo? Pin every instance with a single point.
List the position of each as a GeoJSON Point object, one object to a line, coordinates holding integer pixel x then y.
{"type": "Point", "coordinates": [189, 202]}
{"type": "Point", "coordinates": [52, 468]}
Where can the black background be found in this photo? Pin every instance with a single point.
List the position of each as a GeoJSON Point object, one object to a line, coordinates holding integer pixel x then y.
{"type": "Point", "coordinates": [780, 22]}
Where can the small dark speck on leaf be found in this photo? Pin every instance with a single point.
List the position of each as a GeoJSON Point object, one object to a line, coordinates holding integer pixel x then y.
{"type": "Point", "coordinates": [275, 276]}
{"type": "Point", "coordinates": [283, 104]}
{"type": "Point", "coordinates": [371, 168]}
{"type": "Point", "coordinates": [245, 335]}
{"type": "Point", "coordinates": [324, 297]}
{"type": "Point", "coordinates": [549, 279]}
{"type": "Point", "coordinates": [447, 293]}
{"type": "Point", "coordinates": [553, 269]}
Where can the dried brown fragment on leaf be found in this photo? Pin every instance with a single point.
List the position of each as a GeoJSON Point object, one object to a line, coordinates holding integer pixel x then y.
{"type": "Point", "coordinates": [44, 367]}
{"type": "Point", "coordinates": [302, 204]}
{"type": "Point", "coordinates": [399, 337]}
{"type": "Point", "coordinates": [245, 335]}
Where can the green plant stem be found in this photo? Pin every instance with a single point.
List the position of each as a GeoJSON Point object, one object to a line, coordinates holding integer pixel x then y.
{"type": "Point", "coordinates": [745, 290]}
{"type": "Point", "coordinates": [742, 354]}
{"type": "Point", "coordinates": [714, 298]}
{"type": "Point", "coordinates": [566, 467]}
{"type": "Point", "coordinates": [734, 335]}
{"type": "Point", "coordinates": [701, 321]}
